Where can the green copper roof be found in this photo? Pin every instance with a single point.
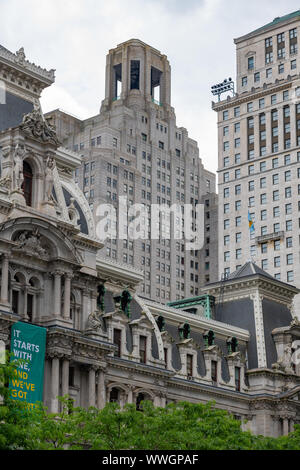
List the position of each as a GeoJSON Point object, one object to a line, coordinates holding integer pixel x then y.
{"type": "Point", "coordinates": [277, 21]}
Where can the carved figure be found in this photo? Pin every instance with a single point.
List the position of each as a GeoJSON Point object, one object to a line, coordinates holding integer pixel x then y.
{"type": "Point", "coordinates": [49, 178]}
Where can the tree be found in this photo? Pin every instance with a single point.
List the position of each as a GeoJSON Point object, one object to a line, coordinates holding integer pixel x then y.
{"type": "Point", "coordinates": [180, 426]}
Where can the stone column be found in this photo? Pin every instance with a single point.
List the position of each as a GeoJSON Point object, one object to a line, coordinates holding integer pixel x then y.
{"type": "Point", "coordinates": [67, 296]}
{"type": "Point", "coordinates": [125, 86]}
{"type": "Point", "coordinates": [92, 386]}
{"type": "Point", "coordinates": [65, 377]}
{"type": "Point", "coordinates": [25, 292]}
{"type": "Point", "coordinates": [101, 398]}
{"type": "Point", "coordinates": [130, 395]}
{"type": "Point", "coordinates": [54, 385]}
{"type": "Point", "coordinates": [163, 400]}
{"type": "Point", "coordinates": [57, 293]}
{"type": "Point", "coordinates": [285, 426]}
{"type": "Point", "coordinates": [4, 279]}
{"type": "Point", "coordinates": [85, 306]}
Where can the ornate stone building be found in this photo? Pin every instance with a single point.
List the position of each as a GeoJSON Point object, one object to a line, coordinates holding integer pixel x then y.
{"type": "Point", "coordinates": [232, 344]}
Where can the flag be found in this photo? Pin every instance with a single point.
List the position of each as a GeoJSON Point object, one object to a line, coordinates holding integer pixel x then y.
{"type": "Point", "coordinates": [251, 224]}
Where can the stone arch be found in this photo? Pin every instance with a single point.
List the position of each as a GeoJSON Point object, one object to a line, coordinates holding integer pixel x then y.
{"type": "Point", "coordinates": [59, 243]}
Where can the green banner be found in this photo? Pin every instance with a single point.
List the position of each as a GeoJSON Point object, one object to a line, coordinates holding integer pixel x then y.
{"type": "Point", "coordinates": [28, 342]}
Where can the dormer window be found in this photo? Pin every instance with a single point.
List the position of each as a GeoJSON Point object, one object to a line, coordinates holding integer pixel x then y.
{"type": "Point", "coordinates": [214, 372]}
{"type": "Point", "coordinates": [189, 365]}
{"type": "Point", "coordinates": [143, 349]}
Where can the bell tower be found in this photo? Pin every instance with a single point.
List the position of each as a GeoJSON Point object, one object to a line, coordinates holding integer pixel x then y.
{"type": "Point", "coordinates": [137, 75]}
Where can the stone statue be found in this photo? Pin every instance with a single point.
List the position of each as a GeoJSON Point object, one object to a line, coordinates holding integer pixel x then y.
{"type": "Point", "coordinates": [18, 176]}
{"type": "Point", "coordinates": [30, 243]}
{"type": "Point", "coordinates": [94, 324]}
{"type": "Point", "coordinates": [49, 178]}
{"type": "Point", "coordinates": [284, 362]}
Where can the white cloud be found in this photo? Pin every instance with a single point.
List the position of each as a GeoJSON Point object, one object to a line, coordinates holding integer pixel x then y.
{"type": "Point", "coordinates": [74, 36]}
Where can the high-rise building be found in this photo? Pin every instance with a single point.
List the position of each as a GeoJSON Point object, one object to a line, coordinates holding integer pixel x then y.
{"type": "Point", "coordinates": [134, 149]}
{"type": "Point", "coordinates": [259, 154]}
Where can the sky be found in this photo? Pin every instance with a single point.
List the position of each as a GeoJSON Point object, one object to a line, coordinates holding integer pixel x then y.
{"type": "Point", "coordinates": [74, 36]}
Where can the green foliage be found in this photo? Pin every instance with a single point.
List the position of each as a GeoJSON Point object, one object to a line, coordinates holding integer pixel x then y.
{"type": "Point", "coordinates": [180, 426]}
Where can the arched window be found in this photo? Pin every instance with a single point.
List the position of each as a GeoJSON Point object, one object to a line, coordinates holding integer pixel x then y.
{"type": "Point", "coordinates": [27, 184]}
{"type": "Point", "coordinates": [139, 399]}
{"type": "Point", "coordinates": [114, 395]}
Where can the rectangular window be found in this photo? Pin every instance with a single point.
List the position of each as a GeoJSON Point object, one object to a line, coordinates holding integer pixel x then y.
{"type": "Point", "coordinates": [237, 378]}
{"type": "Point", "coordinates": [143, 349]}
{"type": "Point", "coordinates": [214, 372]}
{"type": "Point", "coordinates": [117, 342]}
{"type": "Point", "coordinates": [189, 365]}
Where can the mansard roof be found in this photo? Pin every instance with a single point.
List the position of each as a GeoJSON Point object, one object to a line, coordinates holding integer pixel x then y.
{"type": "Point", "coordinates": [249, 269]}
{"type": "Point", "coordinates": [273, 24]}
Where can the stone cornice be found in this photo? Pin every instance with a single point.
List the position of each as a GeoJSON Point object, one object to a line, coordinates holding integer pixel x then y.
{"type": "Point", "coordinates": [139, 368]}
{"type": "Point", "coordinates": [176, 316]}
{"type": "Point", "coordinates": [18, 63]}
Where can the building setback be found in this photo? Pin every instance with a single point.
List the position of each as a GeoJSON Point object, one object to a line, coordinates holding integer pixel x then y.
{"type": "Point", "coordinates": [259, 154]}
{"type": "Point", "coordinates": [134, 149]}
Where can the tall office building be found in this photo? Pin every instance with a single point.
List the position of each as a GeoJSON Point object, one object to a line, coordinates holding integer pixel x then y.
{"type": "Point", "coordinates": [259, 154]}
{"type": "Point", "coordinates": [134, 149]}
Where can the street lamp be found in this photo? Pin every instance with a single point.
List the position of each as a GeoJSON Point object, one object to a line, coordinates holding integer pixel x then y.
{"type": "Point", "coordinates": [226, 85]}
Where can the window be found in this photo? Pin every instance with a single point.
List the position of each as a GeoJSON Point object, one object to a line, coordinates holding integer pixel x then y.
{"type": "Point", "coordinates": [268, 42]}
{"type": "Point", "coordinates": [117, 342]}
{"type": "Point", "coordinates": [225, 115]}
{"type": "Point", "coordinates": [237, 111]}
{"type": "Point", "coordinates": [281, 68]}
{"type": "Point", "coordinates": [244, 81]}
{"type": "Point", "coordinates": [143, 350]}
{"type": "Point", "coordinates": [251, 185]}
{"type": "Point", "coordinates": [27, 183]}
{"type": "Point", "coordinates": [293, 64]}
{"type": "Point", "coordinates": [237, 378]}
{"type": "Point", "coordinates": [269, 58]}
{"type": "Point", "coordinates": [214, 368]}
{"type": "Point", "coordinates": [290, 276]}
{"type": "Point", "coordinates": [268, 73]}
{"type": "Point", "coordinates": [289, 258]}
{"type": "Point", "coordinates": [264, 264]}
{"type": "Point", "coordinates": [189, 365]}
{"type": "Point", "coordinates": [250, 63]}
{"type": "Point", "coordinates": [256, 77]}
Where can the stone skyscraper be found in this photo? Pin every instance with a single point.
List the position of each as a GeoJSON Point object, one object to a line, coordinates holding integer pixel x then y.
{"type": "Point", "coordinates": [259, 154]}
{"type": "Point", "coordinates": [134, 148]}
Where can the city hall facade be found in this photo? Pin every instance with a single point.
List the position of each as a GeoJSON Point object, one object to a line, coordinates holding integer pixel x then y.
{"type": "Point", "coordinates": [232, 344]}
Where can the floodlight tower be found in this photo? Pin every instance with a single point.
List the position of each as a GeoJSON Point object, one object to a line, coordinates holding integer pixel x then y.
{"type": "Point", "coordinates": [226, 85]}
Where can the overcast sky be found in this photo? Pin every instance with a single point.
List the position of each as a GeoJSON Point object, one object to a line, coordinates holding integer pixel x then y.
{"type": "Point", "coordinates": [74, 36]}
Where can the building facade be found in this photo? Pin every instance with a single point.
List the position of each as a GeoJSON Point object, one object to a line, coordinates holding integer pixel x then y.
{"type": "Point", "coordinates": [233, 344]}
{"type": "Point", "coordinates": [134, 149]}
{"type": "Point", "coordinates": [259, 154]}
